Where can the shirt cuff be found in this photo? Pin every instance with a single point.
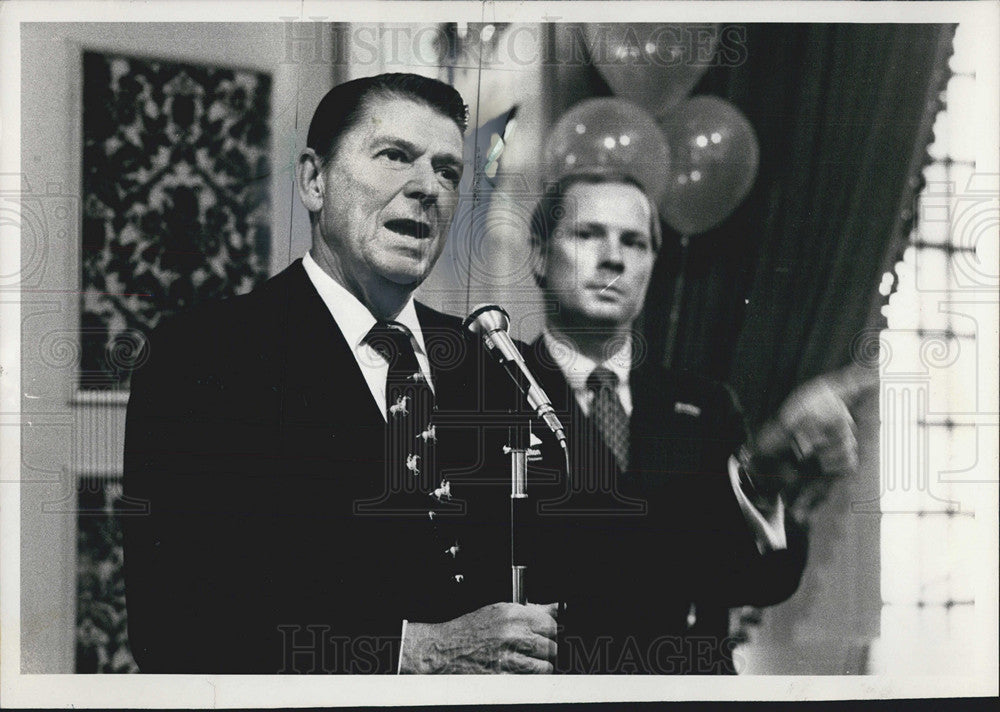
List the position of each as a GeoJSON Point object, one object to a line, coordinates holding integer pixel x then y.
{"type": "Point", "coordinates": [402, 637]}
{"type": "Point", "coordinates": [768, 531]}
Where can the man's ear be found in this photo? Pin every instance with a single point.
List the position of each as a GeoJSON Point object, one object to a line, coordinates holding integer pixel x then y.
{"type": "Point", "coordinates": [539, 263]}
{"type": "Point", "coordinates": [309, 180]}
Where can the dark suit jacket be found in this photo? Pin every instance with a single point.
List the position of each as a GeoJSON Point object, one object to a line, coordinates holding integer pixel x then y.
{"type": "Point", "coordinates": [269, 544]}
{"type": "Point", "coordinates": [635, 550]}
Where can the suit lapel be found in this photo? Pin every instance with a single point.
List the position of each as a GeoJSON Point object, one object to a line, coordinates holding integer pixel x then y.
{"type": "Point", "coordinates": [543, 367]}
{"type": "Point", "coordinates": [321, 374]}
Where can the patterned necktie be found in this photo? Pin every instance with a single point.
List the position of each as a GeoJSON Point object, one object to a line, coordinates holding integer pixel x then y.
{"type": "Point", "coordinates": [412, 483]}
{"type": "Point", "coordinates": [608, 414]}
{"type": "Point", "coordinates": [409, 405]}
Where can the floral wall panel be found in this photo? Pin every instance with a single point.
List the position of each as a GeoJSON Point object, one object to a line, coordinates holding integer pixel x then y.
{"type": "Point", "coordinates": [101, 624]}
{"type": "Point", "coordinates": [176, 208]}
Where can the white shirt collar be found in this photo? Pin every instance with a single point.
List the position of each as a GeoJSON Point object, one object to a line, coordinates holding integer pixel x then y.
{"type": "Point", "coordinates": [353, 317]}
{"type": "Point", "coordinates": [576, 368]}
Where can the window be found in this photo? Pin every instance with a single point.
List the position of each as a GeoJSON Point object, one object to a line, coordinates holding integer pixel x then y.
{"type": "Point", "coordinates": [939, 399]}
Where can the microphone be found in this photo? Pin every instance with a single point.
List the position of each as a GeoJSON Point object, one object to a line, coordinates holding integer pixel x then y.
{"type": "Point", "coordinates": [491, 322]}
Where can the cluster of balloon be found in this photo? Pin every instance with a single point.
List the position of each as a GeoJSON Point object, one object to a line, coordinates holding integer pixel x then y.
{"type": "Point", "coordinates": [714, 159]}
{"type": "Point", "coordinates": [653, 65]}
{"type": "Point", "coordinates": [713, 149]}
{"type": "Point", "coordinates": [608, 136]}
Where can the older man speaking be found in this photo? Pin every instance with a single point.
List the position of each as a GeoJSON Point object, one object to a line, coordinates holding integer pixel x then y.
{"type": "Point", "coordinates": [315, 455]}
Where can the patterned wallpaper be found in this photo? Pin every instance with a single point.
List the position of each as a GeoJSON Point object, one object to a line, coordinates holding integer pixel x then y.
{"type": "Point", "coordinates": [176, 207]}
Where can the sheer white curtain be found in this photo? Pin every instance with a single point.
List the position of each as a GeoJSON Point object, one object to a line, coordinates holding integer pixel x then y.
{"type": "Point", "coordinates": [939, 400]}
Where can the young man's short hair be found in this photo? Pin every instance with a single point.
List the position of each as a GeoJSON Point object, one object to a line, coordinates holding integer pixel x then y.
{"type": "Point", "coordinates": [551, 207]}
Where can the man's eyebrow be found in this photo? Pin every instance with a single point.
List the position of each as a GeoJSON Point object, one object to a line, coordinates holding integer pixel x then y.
{"type": "Point", "coordinates": [411, 148]}
{"type": "Point", "coordinates": [603, 227]}
{"type": "Point", "coordinates": [450, 158]}
{"type": "Point", "coordinates": [397, 141]}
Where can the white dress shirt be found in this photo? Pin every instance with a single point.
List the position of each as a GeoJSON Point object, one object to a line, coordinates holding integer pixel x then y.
{"type": "Point", "coordinates": [355, 321]}
{"type": "Point", "coordinates": [768, 531]}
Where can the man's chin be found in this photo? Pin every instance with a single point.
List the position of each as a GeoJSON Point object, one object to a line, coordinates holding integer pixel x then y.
{"type": "Point", "coordinates": [606, 315]}
{"type": "Point", "coordinates": [405, 270]}
{"type": "Point", "coordinates": [409, 276]}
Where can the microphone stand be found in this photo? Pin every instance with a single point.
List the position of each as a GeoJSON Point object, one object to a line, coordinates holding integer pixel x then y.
{"type": "Point", "coordinates": [490, 322]}
{"type": "Point", "coordinates": [517, 449]}
{"type": "Point", "coordinates": [518, 510]}
{"type": "Point", "coordinates": [520, 453]}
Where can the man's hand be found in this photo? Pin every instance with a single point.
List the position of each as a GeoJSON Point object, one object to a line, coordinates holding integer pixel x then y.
{"type": "Point", "coordinates": [498, 638]}
{"type": "Point", "coordinates": [810, 441]}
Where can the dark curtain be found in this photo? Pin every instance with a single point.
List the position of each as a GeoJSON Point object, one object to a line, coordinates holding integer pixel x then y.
{"type": "Point", "coordinates": [782, 290]}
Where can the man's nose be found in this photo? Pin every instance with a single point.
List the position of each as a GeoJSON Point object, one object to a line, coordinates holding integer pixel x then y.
{"type": "Point", "coordinates": [612, 254]}
{"type": "Point", "coordinates": [423, 184]}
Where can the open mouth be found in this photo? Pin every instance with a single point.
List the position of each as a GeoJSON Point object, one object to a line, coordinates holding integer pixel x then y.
{"type": "Point", "coordinates": [411, 228]}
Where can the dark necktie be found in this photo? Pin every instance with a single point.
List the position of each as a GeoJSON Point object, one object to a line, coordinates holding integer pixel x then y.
{"type": "Point", "coordinates": [608, 414]}
{"type": "Point", "coordinates": [409, 405]}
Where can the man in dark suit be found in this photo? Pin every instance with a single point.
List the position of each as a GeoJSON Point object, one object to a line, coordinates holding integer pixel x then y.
{"type": "Point", "coordinates": [321, 458]}
{"type": "Point", "coordinates": [675, 515]}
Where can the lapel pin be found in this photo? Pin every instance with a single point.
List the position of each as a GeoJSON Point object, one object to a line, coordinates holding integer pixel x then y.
{"type": "Point", "coordinates": [687, 409]}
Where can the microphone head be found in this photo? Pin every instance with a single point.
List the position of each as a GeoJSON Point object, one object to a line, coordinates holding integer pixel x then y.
{"type": "Point", "coordinates": [486, 319]}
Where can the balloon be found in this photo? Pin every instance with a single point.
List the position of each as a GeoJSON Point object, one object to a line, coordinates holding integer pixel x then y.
{"type": "Point", "coordinates": [714, 163]}
{"type": "Point", "coordinates": [652, 64]}
{"type": "Point", "coordinates": [608, 137]}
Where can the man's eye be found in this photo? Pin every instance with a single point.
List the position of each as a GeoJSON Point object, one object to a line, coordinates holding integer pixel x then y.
{"type": "Point", "coordinates": [636, 242]}
{"type": "Point", "coordinates": [394, 154]}
{"type": "Point", "coordinates": [450, 176]}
